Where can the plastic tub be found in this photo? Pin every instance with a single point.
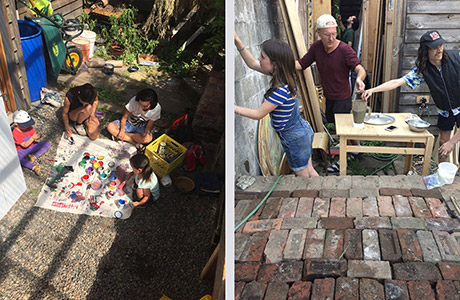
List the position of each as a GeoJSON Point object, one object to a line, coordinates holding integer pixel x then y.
{"type": "Point", "coordinates": [34, 59]}
{"type": "Point", "coordinates": [84, 46]}
{"type": "Point", "coordinates": [446, 172]}
{"type": "Point", "coordinates": [91, 37]}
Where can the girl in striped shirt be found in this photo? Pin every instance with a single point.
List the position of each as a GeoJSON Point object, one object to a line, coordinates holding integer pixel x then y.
{"type": "Point", "coordinates": [280, 101]}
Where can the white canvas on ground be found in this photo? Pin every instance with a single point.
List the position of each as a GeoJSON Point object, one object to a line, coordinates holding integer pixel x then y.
{"type": "Point", "coordinates": [66, 190]}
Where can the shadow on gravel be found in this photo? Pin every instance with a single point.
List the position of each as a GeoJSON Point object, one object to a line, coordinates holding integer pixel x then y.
{"type": "Point", "coordinates": [160, 249]}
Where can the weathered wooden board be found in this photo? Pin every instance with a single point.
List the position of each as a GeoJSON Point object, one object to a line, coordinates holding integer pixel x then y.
{"type": "Point", "coordinates": [411, 49]}
{"type": "Point", "coordinates": [430, 21]}
{"type": "Point", "coordinates": [450, 35]}
{"type": "Point", "coordinates": [439, 7]}
{"type": "Point", "coordinates": [420, 89]}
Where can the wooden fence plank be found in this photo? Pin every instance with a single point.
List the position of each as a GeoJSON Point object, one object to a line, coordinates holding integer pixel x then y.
{"type": "Point", "coordinates": [430, 21]}
{"type": "Point", "coordinates": [450, 35]}
{"type": "Point", "coordinates": [411, 49]}
{"type": "Point", "coordinates": [439, 7]}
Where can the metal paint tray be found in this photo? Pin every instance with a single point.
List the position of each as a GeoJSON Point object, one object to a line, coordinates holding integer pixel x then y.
{"type": "Point", "coordinates": [379, 119]}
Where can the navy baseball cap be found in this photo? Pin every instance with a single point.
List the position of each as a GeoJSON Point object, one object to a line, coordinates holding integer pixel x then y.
{"type": "Point", "coordinates": [432, 39]}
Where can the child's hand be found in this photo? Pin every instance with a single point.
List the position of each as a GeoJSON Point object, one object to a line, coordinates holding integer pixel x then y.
{"type": "Point", "coordinates": [68, 132]}
{"type": "Point", "coordinates": [37, 136]}
{"type": "Point", "coordinates": [121, 136]}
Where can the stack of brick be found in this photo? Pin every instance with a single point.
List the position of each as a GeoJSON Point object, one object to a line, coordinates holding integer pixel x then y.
{"type": "Point", "coordinates": [402, 244]}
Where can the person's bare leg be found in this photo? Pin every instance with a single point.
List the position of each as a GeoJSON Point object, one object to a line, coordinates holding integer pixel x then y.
{"type": "Point", "coordinates": [113, 129]}
{"type": "Point", "coordinates": [444, 136]}
{"type": "Point", "coordinates": [311, 170]}
{"type": "Point", "coordinates": [92, 128]}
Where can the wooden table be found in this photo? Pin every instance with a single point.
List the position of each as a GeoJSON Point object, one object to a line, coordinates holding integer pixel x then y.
{"type": "Point", "coordinates": [402, 134]}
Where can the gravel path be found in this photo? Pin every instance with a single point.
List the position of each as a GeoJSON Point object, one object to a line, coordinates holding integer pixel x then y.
{"type": "Point", "coordinates": [161, 249]}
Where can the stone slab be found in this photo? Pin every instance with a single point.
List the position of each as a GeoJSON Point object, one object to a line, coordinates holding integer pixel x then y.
{"type": "Point", "coordinates": [416, 271]}
{"type": "Point", "coordinates": [369, 269]}
{"type": "Point", "coordinates": [429, 247]}
{"type": "Point", "coordinates": [371, 246]}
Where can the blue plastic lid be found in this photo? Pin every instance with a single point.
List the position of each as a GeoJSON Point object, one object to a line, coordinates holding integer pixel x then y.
{"type": "Point", "coordinates": [121, 201]}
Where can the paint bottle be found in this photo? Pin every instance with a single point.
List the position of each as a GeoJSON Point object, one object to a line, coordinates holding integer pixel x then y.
{"type": "Point", "coordinates": [118, 214]}
{"type": "Point", "coordinates": [90, 171]}
{"type": "Point", "coordinates": [121, 203]}
{"type": "Point", "coordinates": [111, 164]}
{"type": "Point", "coordinates": [82, 164]}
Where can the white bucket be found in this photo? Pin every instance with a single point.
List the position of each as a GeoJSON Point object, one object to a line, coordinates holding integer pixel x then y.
{"type": "Point", "coordinates": [446, 172]}
{"type": "Point", "coordinates": [91, 37]}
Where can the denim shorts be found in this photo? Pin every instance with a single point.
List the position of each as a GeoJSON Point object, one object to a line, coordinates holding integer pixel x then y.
{"type": "Point", "coordinates": [297, 141]}
{"type": "Point", "coordinates": [131, 128]}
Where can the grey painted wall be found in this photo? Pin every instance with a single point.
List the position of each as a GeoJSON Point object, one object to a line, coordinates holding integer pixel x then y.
{"type": "Point", "coordinates": [255, 22]}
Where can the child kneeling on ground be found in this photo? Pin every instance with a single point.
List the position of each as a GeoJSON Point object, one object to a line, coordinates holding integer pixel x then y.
{"type": "Point", "coordinates": [145, 186]}
{"type": "Point", "coordinates": [25, 137]}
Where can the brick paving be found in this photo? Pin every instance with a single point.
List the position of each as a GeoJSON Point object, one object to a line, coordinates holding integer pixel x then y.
{"type": "Point", "coordinates": [336, 240]}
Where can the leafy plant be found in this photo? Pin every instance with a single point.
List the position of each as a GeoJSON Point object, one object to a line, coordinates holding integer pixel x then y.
{"type": "Point", "coordinates": [85, 19]}
{"type": "Point", "coordinates": [126, 33]}
{"type": "Point", "coordinates": [178, 62]}
{"type": "Point", "coordinates": [214, 46]}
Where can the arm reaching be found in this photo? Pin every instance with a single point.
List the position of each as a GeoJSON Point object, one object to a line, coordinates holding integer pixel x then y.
{"type": "Point", "coordinates": [257, 113]}
{"type": "Point", "coordinates": [386, 86]}
{"type": "Point", "coordinates": [250, 61]}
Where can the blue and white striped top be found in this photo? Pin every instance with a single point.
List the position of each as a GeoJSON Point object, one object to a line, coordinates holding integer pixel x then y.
{"type": "Point", "coordinates": [286, 103]}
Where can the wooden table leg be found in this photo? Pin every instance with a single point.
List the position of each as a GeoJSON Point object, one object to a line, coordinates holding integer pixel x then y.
{"type": "Point", "coordinates": [427, 156]}
{"type": "Point", "coordinates": [408, 160]}
{"type": "Point", "coordinates": [343, 155]}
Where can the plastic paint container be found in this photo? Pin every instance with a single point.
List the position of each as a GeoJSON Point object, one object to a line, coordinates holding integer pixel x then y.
{"type": "Point", "coordinates": [100, 157]}
{"type": "Point", "coordinates": [100, 170]}
{"type": "Point", "coordinates": [86, 158]}
{"type": "Point", "coordinates": [446, 172]}
{"type": "Point", "coordinates": [85, 178]}
{"type": "Point", "coordinates": [96, 165]}
{"type": "Point", "coordinates": [121, 203]}
{"type": "Point", "coordinates": [101, 163]}
{"type": "Point", "coordinates": [92, 161]}
{"type": "Point", "coordinates": [113, 177]}
{"type": "Point", "coordinates": [92, 157]}
{"type": "Point", "coordinates": [86, 154]}
{"type": "Point", "coordinates": [90, 36]}
{"type": "Point", "coordinates": [112, 185]}
{"type": "Point", "coordinates": [118, 214]}
{"type": "Point", "coordinates": [111, 164]}
{"type": "Point", "coordinates": [110, 194]}
{"type": "Point", "coordinates": [90, 171]}
{"type": "Point", "coordinates": [103, 176]}
{"type": "Point", "coordinates": [82, 164]}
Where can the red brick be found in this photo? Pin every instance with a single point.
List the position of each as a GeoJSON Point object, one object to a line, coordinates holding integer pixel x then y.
{"type": "Point", "coordinates": [396, 290]}
{"type": "Point", "coordinates": [322, 267]}
{"type": "Point", "coordinates": [239, 287]}
{"type": "Point", "coordinates": [295, 244]}
{"type": "Point", "coordinates": [246, 271]}
{"type": "Point", "coordinates": [337, 207]}
{"type": "Point", "coordinates": [446, 290]}
{"type": "Point", "coordinates": [373, 223]}
{"type": "Point", "coordinates": [434, 193]}
{"type": "Point", "coordinates": [254, 290]}
{"type": "Point", "coordinates": [314, 245]}
{"type": "Point", "coordinates": [305, 193]}
{"type": "Point", "coordinates": [323, 289]}
{"type": "Point", "coordinates": [336, 223]}
{"type": "Point", "coordinates": [448, 246]}
{"type": "Point", "coordinates": [416, 271]}
{"type": "Point", "coordinates": [333, 246]}
{"type": "Point", "coordinates": [402, 206]}
{"type": "Point", "coordinates": [300, 290]}
{"type": "Point", "coordinates": [284, 271]}
{"type": "Point", "coordinates": [254, 249]}
{"type": "Point", "coordinates": [243, 208]}
{"type": "Point", "coordinates": [419, 207]}
{"type": "Point", "coordinates": [281, 194]}
{"type": "Point", "coordinates": [385, 191]}
{"type": "Point", "coordinates": [320, 208]}
{"type": "Point", "coordinates": [276, 291]}
{"type": "Point", "coordinates": [353, 240]}
{"type": "Point", "coordinates": [346, 288]}
{"type": "Point", "coordinates": [389, 245]}
{"type": "Point", "coordinates": [420, 290]}
{"type": "Point", "coordinates": [437, 209]}
{"type": "Point", "coordinates": [262, 225]}
{"type": "Point", "coordinates": [271, 208]}
{"type": "Point", "coordinates": [410, 247]}
{"type": "Point", "coordinates": [370, 207]}
{"type": "Point", "coordinates": [305, 207]}
{"type": "Point", "coordinates": [240, 195]}
{"type": "Point", "coordinates": [288, 207]}
{"type": "Point", "coordinates": [371, 289]}
{"type": "Point", "coordinates": [450, 270]}
{"type": "Point", "coordinates": [444, 224]}
{"type": "Point", "coordinates": [354, 207]}
{"type": "Point", "coordinates": [369, 269]}
{"type": "Point", "coordinates": [386, 208]}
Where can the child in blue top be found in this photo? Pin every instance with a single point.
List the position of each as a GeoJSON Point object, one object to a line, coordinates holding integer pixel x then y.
{"type": "Point", "coordinates": [280, 101]}
{"type": "Point", "coordinates": [145, 180]}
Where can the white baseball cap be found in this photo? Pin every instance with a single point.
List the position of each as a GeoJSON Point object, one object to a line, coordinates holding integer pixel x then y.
{"type": "Point", "coordinates": [23, 119]}
{"type": "Point", "coordinates": [323, 21]}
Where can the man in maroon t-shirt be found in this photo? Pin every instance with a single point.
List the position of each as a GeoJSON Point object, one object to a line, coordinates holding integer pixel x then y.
{"type": "Point", "coordinates": [334, 60]}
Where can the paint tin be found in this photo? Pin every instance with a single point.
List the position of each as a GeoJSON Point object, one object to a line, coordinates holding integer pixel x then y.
{"type": "Point", "coordinates": [101, 163]}
{"type": "Point", "coordinates": [85, 178]}
{"type": "Point", "coordinates": [82, 164]}
{"type": "Point", "coordinates": [92, 161]}
{"type": "Point", "coordinates": [111, 164]}
{"type": "Point", "coordinates": [86, 158]}
{"type": "Point", "coordinates": [121, 203]}
{"type": "Point", "coordinates": [108, 69]}
{"type": "Point", "coordinates": [90, 171]}
{"type": "Point", "coordinates": [110, 194]}
{"type": "Point", "coordinates": [100, 157]}
{"type": "Point", "coordinates": [107, 172]}
{"type": "Point", "coordinates": [103, 176]}
{"type": "Point", "coordinates": [118, 214]}
{"type": "Point", "coordinates": [96, 165]}
{"type": "Point", "coordinates": [100, 170]}
{"type": "Point", "coordinates": [112, 185]}
{"type": "Point", "coordinates": [113, 177]}
{"type": "Point", "coordinates": [86, 154]}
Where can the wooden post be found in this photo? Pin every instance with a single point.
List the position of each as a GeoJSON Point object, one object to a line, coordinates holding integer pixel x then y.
{"type": "Point", "coordinates": [6, 88]}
